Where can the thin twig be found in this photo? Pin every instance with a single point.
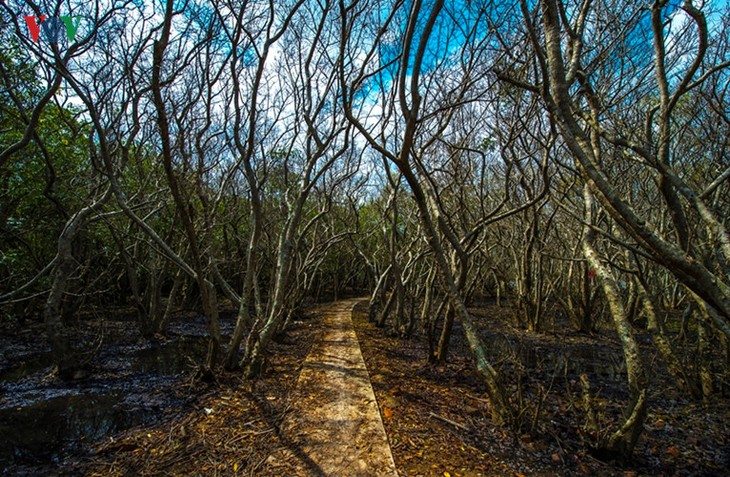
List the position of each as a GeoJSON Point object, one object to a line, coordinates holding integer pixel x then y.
{"type": "Point", "coordinates": [449, 421]}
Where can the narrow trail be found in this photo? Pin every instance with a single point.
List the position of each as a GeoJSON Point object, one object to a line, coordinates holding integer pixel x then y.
{"type": "Point", "coordinates": [333, 425]}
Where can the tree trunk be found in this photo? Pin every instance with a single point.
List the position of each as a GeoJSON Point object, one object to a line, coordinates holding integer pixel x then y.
{"type": "Point", "coordinates": [502, 411]}
{"type": "Point", "coordinates": [254, 357]}
{"type": "Point", "coordinates": [704, 335]}
{"type": "Point", "coordinates": [623, 441]}
{"type": "Point", "coordinates": [66, 358]}
{"type": "Point", "coordinates": [243, 319]}
{"type": "Point", "coordinates": [430, 329]}
{"type": "Point", "coordinates": [378, 296]}
{"type": "Point", "coordinates": [442, 352]}
{"type": "Point", "coordinates": [207, 290]}
{"type": "Point", "coordinates": [385, 311]}
{"type": "Point", "coordinates": [676, 369]}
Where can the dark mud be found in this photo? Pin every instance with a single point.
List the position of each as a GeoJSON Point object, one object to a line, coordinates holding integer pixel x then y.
{"type": "Point", "coordinates": [130, 382]}
{"type": "Point", "coordinates": [232, 428]}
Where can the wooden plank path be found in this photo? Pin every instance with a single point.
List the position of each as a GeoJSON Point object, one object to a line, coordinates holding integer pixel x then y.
{"type": "Point", "coordinates": [333, 425]}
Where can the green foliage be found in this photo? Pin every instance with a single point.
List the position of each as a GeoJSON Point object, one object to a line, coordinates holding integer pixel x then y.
{"type": "Point", "coordinates": [42, 184]}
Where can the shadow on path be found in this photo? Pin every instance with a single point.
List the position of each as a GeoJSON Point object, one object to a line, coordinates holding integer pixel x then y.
{"type": "Point", "coordinates": [333, 427]}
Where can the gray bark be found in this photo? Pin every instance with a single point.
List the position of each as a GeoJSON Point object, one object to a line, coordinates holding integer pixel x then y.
{"type": "Point", "coordinates": [66, 357]}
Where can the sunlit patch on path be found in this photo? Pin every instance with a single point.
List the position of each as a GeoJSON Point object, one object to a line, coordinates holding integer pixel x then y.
{"type": "Point", "coordinates": [333, 427]}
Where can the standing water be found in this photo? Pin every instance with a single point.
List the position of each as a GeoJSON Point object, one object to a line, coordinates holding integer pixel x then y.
{"type": "Point", "coordinates": [42, 417]}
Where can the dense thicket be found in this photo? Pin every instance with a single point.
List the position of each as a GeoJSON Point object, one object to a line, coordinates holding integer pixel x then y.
{"type": "Point", "coordinates": [567, 157]}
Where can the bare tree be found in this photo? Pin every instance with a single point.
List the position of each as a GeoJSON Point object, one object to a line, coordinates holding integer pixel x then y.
{"type": "Point", "coordinates": [592, 128]}
{"type": "Point", "coordinates": [319, 136]}
{"type": "Point", "coordinates": [605, 113]}
{"type": "Point", "coordinates": [409, 146]}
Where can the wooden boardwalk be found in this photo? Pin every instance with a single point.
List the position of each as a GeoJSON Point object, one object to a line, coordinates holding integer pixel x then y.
{"type": "Point", "coordinates": [334, 425]}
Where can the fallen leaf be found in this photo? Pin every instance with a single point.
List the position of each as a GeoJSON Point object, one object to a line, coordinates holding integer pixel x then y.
{"type": "Point", "coordinates": [673, 451]}
{"type": "Point", "coordinates": [387, 413]}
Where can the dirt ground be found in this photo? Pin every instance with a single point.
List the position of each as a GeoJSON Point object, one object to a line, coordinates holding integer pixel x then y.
{"type": "Point", "coordinates": [436, 417]}
{"type": "Point", "coordinates": [188, 428]}
{"type": "Point", "coordinates": [232, 428]}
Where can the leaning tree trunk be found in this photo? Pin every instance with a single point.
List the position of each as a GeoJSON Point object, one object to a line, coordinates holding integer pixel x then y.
{"type": "Point", "coordinates": [207, 290]}
{"type": "Point", "coordinates": [66, 358]}
{"type": "Point", "coordinates": [622, 441]}
{"type": "Point", "coordinates": [385, 311]}
{"type": "Point", "coordinates": [378, 296]}
{"type": "Point", "coordinates": [502, 411]}
{"type": "Point", "coordinates": [244, 318]}
{"type": "Point", "coordinates": [259, 338]}
{"type": "Point", "coordinates": [684, 382]}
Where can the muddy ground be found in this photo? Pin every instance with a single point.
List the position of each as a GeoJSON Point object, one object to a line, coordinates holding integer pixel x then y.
{"type": "Point", "coordinates": [129, 381]}
{"type": "Point", "coordinates": [436, 417]}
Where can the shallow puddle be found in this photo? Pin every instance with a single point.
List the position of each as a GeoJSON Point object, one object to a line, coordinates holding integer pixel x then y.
{"type": "Point", "coordinates": [570, 361]}
{"type": "Point", "coordinates": [36, 433]}
{"type": "Point", "coordinates": [173, 357]}
{"type": "Point", "coordinates": [41, 417]}
{"type": "Point", "coordinates": [25, 366]}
